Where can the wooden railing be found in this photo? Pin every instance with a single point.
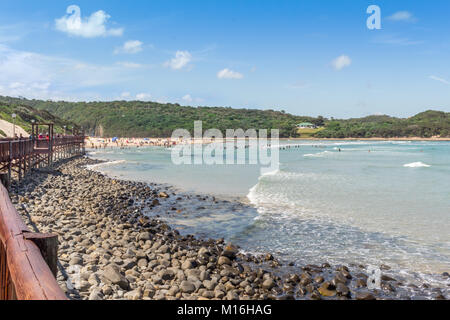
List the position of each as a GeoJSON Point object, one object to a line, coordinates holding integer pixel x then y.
{"type": "Point", "coordinates": [19, 156]}
{"type": "Point", "coordinates": [24, 273]}
{"type": "Point", "coordinates": [28, 261]}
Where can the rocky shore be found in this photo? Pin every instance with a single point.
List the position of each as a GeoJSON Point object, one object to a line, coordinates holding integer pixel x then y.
{"type": "Point", "coordinates": [109, 250]}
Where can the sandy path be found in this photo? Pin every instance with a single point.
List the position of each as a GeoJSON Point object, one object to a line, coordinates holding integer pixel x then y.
{"type": "Point", "coordinates": [7, 127]}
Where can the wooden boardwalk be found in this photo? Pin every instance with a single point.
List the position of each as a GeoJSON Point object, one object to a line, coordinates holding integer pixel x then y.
{"type": "Point", "coordinates": [28, 260]}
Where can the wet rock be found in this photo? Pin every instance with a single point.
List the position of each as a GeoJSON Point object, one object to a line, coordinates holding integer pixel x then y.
{"type": "Point", "coordinates": [385, 286]}
{"type": "Point", "coordinates": [305, 279]}
{"type": "Point", "coordinates": [342, 290]}
{"type": "Point", "coordinates": [293, 278]}
{"type": "Point", "coordinates": [268, 284]}
{"type": "Point", "coordinates": [327, 289]}
{"type": "Point", "coordinates": [268, 257]}
{"type": "Point", "coordinates": [361, 283]}
{"type": "Point", "coordinates": [339, 278]}
{"type": "Point", "coordinates": [364, 296]}
{"type": "Point", "coordinates": [387, 278]}
{"type": "Point", "coordinates": [319, 279]}
{"type": "Point", "coordinates": [223, 260]}
{"type": "Point", "coordinates": [230, 251]}
{"type": "Point", "coordinates": [315, 295]}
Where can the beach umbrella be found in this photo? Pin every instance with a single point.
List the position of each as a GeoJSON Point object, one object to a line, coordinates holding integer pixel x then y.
{"type": "Point", "coordinates": [114, 139]}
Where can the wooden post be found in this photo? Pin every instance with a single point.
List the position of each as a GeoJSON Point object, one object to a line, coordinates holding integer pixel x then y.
{"type": "Point", "coordinates": [24, 158]}
{"type": "Point", "coordinates": [48, 245]}
{"type": "Point", "coordinates": [9, 165]}
{"type": "Point", "coordinates": [20, 160]}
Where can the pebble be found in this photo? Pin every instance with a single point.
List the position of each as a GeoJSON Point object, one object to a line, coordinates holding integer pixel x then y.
{"type": "Point", "coordinates": [187, 287]}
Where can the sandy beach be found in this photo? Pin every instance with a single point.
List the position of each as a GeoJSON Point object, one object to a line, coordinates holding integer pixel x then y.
{"type": "Point", "coordinates": [96, 143]}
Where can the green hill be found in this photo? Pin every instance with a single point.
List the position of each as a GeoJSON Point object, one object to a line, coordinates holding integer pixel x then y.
{"type": "Point", "coordinates": [425, 125]}
{"type": "Point", "coordinates": [151, 119]}
{"type": "Point", "coordinates": [26, 114]}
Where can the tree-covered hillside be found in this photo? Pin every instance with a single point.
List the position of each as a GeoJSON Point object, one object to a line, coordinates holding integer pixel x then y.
{"type": "Point", "coordinates": [26, 114]}
{"type": "Point", "coordinates": [426, 125]}
{"type": "Point", "coordinates": [151, 119]}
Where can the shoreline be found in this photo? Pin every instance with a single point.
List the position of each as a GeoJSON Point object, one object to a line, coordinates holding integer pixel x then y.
{"type": "Point", "coordinates": [160, 263]}
{"type": "Point", "coordinates": [96, 143]}
{"type": "Point", "coordinates": [370, 139]}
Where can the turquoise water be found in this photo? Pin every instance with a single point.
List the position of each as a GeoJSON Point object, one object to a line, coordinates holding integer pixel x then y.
{"type": "Point", "coordinates": [372, 203]}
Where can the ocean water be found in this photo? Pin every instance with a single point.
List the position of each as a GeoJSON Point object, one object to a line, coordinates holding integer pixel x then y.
{"type": "Point", "coordinates": [371, 203]}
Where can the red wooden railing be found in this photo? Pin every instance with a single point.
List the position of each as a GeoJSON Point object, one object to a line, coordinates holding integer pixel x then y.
{"type": "Point", "coordinates": [24, 274]}
{"type": "Point", "coordinates": [27, 259]}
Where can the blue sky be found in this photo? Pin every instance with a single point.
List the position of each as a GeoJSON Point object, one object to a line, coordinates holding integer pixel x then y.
{"type": "Point", "coordinates": [305, 57]}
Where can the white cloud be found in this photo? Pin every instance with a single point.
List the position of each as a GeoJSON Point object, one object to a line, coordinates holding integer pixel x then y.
{"type": "Point", "coordinates": [341, 62]}
{"type": "Point", "coordinates": [188, 98]}
{"type": "Point", "coordinates": [130, 47]}
{"type": "Point", "coordinates": [34, 75]}
{"type": "Point", "coordinates": [229, 74]}
{"type": "Point", "coordinates": [405, 16]}
{"type": "Point", "coordinates": [91, 27]}
{"type": "Point", "coordinates": [143, 97]}
{"type": "Point", "coordinates": [444, 81]}
{"type": "Point", "coordinates": [181, 60]}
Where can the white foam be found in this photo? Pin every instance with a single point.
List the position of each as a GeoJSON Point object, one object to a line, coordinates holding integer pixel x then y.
{"type": "Point", "coordinates": [417, 165]}
{"type": "Point", "coordinates": [316, 155]}
{"type": "Point", "coordinates": [104, 164]}
{"type": "Point", "coordinates": [271, 173]}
